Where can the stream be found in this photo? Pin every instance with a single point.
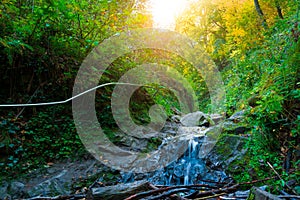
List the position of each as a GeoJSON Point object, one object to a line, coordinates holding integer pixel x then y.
{"type": "Point", "coordinates": [187, 170]}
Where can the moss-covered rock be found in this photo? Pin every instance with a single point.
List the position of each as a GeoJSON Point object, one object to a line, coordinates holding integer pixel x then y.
{"type": "Point", "coordinates": [228, 149]}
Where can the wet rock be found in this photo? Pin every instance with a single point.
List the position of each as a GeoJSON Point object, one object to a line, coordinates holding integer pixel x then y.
{"type": "Point", "coordinates": [3, 190]}
{"type": "Point", "coordinates": [17, 189]}
{"type": "Point", "coordinates": [133, 143]}
{"type": "Point", "coordinates": [59, 179]}
{"type": "Point", "coordinates": [216, 118]}
{"type": "Point", "coordinates": [238, 116]}
{"type": "Point", "coordinates": [139, 141]}
{"type": "Point", "coordinates": [229, 126]}
{"type": "Point", "coordinates": [227, 149]}
{"type": "Point", "coordinates": [244, 193]}
{"type": "Point", "coordinates": [234, 127]}
{"type": "Point", "coordinates": [170, 128]}
{"type": "Point", "coordinates": [259, 194]}
{"type": "Point", "coordinates": [195, 131]}
{"type": "Point", "coordinates": [190, 167]}
{"type": "Point", "coordinates": [175, 118]}
{"type": "Point", "coordinates": [53, 186]}
{"type": "Point", "coordinates": [196, 119]}
{"type": "Point", "coordinates": [211, 137]}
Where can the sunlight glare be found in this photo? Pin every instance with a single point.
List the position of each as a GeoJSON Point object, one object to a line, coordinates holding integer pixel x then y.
{"type": "Point", "coordinates": [164, 12]}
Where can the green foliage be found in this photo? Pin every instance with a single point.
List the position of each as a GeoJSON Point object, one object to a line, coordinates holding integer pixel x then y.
{"type": "Point", "coordinates": [271, 74]}
{"type": "Point", "coordinates": [254, 166]}
{"type": "Point", "coordinates": [11, 142]}
{"type": "Point", "coordinates": [48, 136]}
{"type": "Point", "coordinates": [42, 44]}
{"type": "Point", "coordinates": [52, 134]}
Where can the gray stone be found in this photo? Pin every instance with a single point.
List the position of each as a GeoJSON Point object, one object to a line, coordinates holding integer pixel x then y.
{"type": "Point", "coordinates": [17, 189]}
{"type": "Point", "coordinates": [196, 119]}
{"type": "Point", "coordinates": [131, 142]}
{"type": "Point", "coordinates": [245, 193]}
{"type": "Point", "coordinates": [53, 186]}
{"type": "Point", "coordinates": [175, 118]}
{"type": "Point", "coordinates": [217, 118]}
{"type": "Point", "coordinates": [259, 194]}
{"type": "Point", "coordinates": [234, 128]}
{"type": "Point", "coordinates": [238, 116]}
{"type": "Point", "coordinates": [227, 149]}
{"type": "Point", "coordinates": [191, 132]}
{"type": "Point", "coordinates": [3, 190]}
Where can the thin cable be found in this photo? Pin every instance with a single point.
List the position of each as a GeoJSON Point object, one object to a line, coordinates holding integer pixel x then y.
{"type": "Point", "coordinates": [67, 100]}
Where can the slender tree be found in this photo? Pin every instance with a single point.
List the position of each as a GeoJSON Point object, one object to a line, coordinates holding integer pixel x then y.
{"type": "Point", "coordinates": [260, 13]}
{"type": "Point", "coordinates": [278, 8]}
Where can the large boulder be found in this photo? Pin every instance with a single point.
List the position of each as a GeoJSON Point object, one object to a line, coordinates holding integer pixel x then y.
{"type": "Point", "coordinates": [196, 119]}
{"type": "Point", "coordinates": [259, 194]}
{"type": "Point", "coordinates": [226, 150]}
{"type": "Point", "coordinates": [56, 185]}
{"type": "Point", "coordinates": [58, 179]}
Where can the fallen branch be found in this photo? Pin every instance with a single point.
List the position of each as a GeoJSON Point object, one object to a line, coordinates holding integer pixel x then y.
{"type": "Point", "coordinates": [234, 197]}
{"type": "Point", "coordinates": [210, 197]}
{"type": "Point", "coordinates": [289, 196]}
{"type": "Point", "coordinates": [291, 189]}
{"type": "Point", "coordinates": [119, 191]}
{"type": "Point", "coordinates": [168, 194]}
{"type": "Point", "coordinates": [61, 197]}
{"type": "Point", "coordinates": [173, 196]}
{"type": "Point", "coordinates": [164, 189]}
{"type": "Point", "coordinates": [258, 181]}
{"type": "Point", "coordinates": [220, 191]}
{"type": "Point", "coordinates": [212, 191]}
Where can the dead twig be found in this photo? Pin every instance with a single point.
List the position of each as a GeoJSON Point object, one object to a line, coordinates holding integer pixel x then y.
{"type": "Point", "coordinates": [164, 189]}
{"type": "Point", "coordinates": [212, 196]}
{"type": "Point", "coordinates": [218, 192]}
{"type": "Point", "coordinates": [61, 197]}
{"type": "Point", "coordinates": [168, 194]}
{"type": "Point", "coordinates": [289, 196]}
{"type": "Point", "coordinates": [291, 189]}
{"type": "Point", "coordinates": [159, 191]}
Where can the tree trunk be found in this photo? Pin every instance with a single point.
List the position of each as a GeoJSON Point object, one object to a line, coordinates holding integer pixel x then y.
{"type": "Point", "coordinates": [278, 8]}
{"type": "Point", "coordinates": [260, 13]}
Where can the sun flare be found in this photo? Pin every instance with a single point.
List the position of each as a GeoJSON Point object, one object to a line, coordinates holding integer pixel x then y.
{"type": "Point", "coordinates": [164, 12]}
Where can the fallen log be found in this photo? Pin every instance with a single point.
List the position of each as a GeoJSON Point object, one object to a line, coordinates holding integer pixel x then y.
{"type": "Point", "coordinates": [120, 191]}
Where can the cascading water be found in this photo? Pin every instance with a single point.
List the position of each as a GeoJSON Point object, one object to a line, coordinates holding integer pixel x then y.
{"type": "Point", "coordinates": [188, 169]}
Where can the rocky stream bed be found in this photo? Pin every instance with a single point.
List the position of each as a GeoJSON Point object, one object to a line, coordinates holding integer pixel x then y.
{"type": "Point", "coordinates": [192, 176]}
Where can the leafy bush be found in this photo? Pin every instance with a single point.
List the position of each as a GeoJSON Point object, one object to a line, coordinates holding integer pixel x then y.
{"type": "Point", "coordinates": [46, 137]}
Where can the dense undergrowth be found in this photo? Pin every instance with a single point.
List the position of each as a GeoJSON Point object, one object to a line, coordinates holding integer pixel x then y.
{"type": "Point", "coordinates": [260, 68]}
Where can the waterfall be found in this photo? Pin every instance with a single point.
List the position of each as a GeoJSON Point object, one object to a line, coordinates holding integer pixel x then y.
{"type": "Point", "coordinates": [186, 170]}
{"type": "Point", "coordinates": [189, 169]}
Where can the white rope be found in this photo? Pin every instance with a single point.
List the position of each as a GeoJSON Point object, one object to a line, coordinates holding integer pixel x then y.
{"type": "Point", "coordinates": [67, 100]}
